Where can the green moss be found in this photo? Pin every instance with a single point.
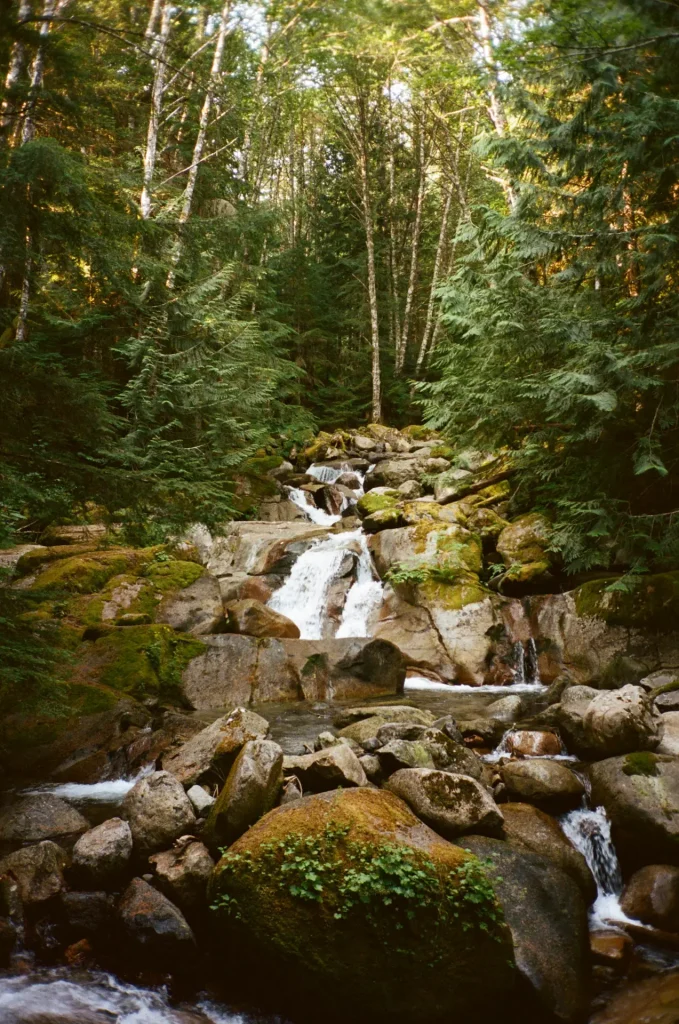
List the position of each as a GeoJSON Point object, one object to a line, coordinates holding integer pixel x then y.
{"type": "Point", "coordinates": [259, 465]}
{"type": "Point", "coordinates": [416, 432]}
{"type": "Point", "coordinates": [642, 602]}
{"type": "Point", "coordinates": [372, 502]}
{"type": "Point", "coordinates": [384, 519]}
{"type": "Point", "coordinates": [172, 575]}
{"type": "Point", "coordinates": [641, 763]}
{"type": "Point", "coordinates": [86, 574]}
{"type": "Point", "coordinates": [453, 596]}
{"type": "Point", "coordinates": [442, 451]}
{"type": "Point", "coordinates": [490, 495]}
{"type": "Point", "coordinates": [141, 661]}
{"type": "Point", "coordinates": [31, 561]}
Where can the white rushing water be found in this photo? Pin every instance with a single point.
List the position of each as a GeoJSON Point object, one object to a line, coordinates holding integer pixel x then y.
{"type": "Point", "coordinates": [94, 997]}
{"type": "Point", "coordinates": [111, 792]}
{"type": "Point", "coordinates": [504, 749]}
{"type": "Point", "coordinates": [316, 515]}
{"type": "Point", "coordinates": [365, 597]}
{"type": "Point", "coordinates": [526, 655]}
{"type": "Point", "coordinates": [590, 832]}
{"type": "Point", "coordinates": [423, 683]}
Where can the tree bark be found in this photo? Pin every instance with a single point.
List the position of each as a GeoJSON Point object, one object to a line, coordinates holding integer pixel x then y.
{"type": "Point", "coordinates": [495, 109]}
{"type": "Point", "coordinates": [157, 94]}
{"type": "Point", "coordinates": [200, 140]}
{"type": "Point", "coordinates": [372, 277]}
{"type": "Point", "coordinates": [438, 259]}
{"type": "Point", "coordinates": [414, 256]}
{"type": "Point", "coordinates": [17, 62]}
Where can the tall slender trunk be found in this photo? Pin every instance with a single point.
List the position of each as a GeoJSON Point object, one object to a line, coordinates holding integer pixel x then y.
{"type": "Point", "coordinates": [414, 255]}
{"type": "Point", "coordinates": [395, 318]}
{"type": "Point", "coordinates": [17, 62]}
{"type": "Point", "coordinates": [438, 259]}
{"type": "Point", "coordinates": [372, 276]}
{"type": "Point", "coordinates": [200, 141]}
{"type": "Point", "coordinates": [495, 109]}
{"type": "Point", "coordinates": [22, 319]}
{"type": "Point", "coordinates": [157, 94]}
{"type": "Point", "coordinates": [149, 34]}
{"type": "Point", "coordinates": [51, 9]}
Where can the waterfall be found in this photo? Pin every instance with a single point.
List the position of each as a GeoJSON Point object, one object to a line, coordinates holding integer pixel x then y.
{"type": "Point", "coordinates": [526, 671]}
{"type": "Point", "coordinates": [590, 833]}
{"type": "Point", "coordinates": [316, 515]}
{"type": "Point", "coordinates": [364, 598]}
{"type": "Point", "coordinates": [304, 595]}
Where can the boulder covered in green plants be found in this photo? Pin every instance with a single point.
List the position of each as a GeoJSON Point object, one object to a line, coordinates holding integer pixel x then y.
{"type": "Point", "coordinates": [348, 892]}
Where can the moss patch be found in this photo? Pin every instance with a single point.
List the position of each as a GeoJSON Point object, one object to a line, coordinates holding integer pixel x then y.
{"type": "Point", "coordinates": [641, 763]}
{"type": "Point", "coordinates": [372, 502]}
{"type": "Point", "coordinates": [143, 661]}
{"type": "Point", "coordinates": [85, 574]}
{"type": "Point", "coordinates": [452, 596]}
{"type": "Point", "coordinates": [645, 602]}
{"type": "Point", "coordinates": [31, 561]}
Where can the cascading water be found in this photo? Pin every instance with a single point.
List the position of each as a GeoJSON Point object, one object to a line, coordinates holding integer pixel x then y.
{"type": "Point", "coordinates": [590, 833]}
{"type": "Point", "coordinates": [316, 515]}
{"type": "Point", "coordinates": [364, 598]}
{"type": "Point", "coordinates": [526, 671]}
{"type": "Point", "coordinates": [303, 597]}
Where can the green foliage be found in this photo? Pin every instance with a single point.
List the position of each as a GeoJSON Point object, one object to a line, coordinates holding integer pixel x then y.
{"type": "Point", "coordinates": [418, 575]}
{"type": "Point", "coordinates": [388, 884]}
{"type": "Point", "coordinates": [561, 317]}
{"type": "Point", "coordinates": [642, 763]}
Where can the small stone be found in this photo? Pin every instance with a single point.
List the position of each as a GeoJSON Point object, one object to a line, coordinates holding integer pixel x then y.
{"type": "Point", "coordinates": [611, 948]}
{"type": "Point", "coordinates": [155, 928]}
{"type": "Point", "coordinates": [451, 804]}
{"type": "Point", "coordinates": [183, 874]}
{"type": "Point", "coordinates": [547, 784]}
{"type": "Point", "coordinates": [39, 870]}
{"type": "Point", "coordinates": [533, 743]}
{"type": "Point", "coordinates": [399, 754]}
{"type": "Point", "coordinates": [326, 769]}
{"type": "Point", "coordinates": [292, 790]}
{"type": "Point", "coordinates": [252, 618]}
{"type": "Point", "coordinates": [200, 800]}
{"type": "Point", "coordinates": [158, 811]}
{"type": "Point", "coordinates": [652, 896]}
{"type": "Point", "coordinates": [371, 766]}
{"type": "Point", "coordinates": [210, 754]}
{"type": "Point", "coordinates": [250, 790]}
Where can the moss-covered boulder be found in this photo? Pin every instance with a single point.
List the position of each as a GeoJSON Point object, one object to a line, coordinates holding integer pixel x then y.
{"type": "Point", "coordinates": [386, 519]}
{"type": "Point", "coordinates": [525, 540]}
{"type": "Point", "coordinates": [349, 893]}
{"type": "Point", "coordinates": [90, 572]}
{"type": "Point", "coordinates": [645, 602]}
{"type": "Point", "coordinates": [446, 551]}
{"type": "Point", "coordinates": [377, 500]}
{"type": "Point", "coordinates": [142, 661]}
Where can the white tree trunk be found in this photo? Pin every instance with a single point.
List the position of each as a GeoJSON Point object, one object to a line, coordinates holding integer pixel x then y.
{"type": "Point", "coordinates": [372, 277]}
{"type": "Point", "coordinates": [149, 34]}
{"type": "Point", "coordinates": [157, 94]}
{"type": "Point", "coordinates": [438, 259]}
{"type": "Point", "coordinates": [17, 61]}
{"type": "Point", "coordinates": [200, 138]}
{"type": "Point", "coordinates": [495, 110]}
{"type": "Point", "coordinates": [414, 257]}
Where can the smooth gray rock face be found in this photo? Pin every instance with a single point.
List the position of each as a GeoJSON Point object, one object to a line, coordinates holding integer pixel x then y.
{"type": "Point", "coordinates": [450, 804]}
{"type": "Point", "coordinates": [156, 928]}
{"type": "Point", "coordinates": [183, 874]}
{"type": "Point", "coordinates": [328, 768]}
{"type": "Point", "coordinates": [39, 870]}
{"type": "Point", "coordinates": [640, 792]}
{"type": "Point", "coordinates": [546, 913]}
{"type": "Point", "coordinates": [210, 753]}
{"type": "Point", "coordinates": [41, 816]}
{"type": "Point", "coordinates": [621, 721]}
{"type": "Point", "coordinates": [158, 811]}
{"type": "Point", "coordinates": [250, 791]}
{"type": "Point", "coordinates": [101, 855]}
{"type": "Point", "coordinates": [197, 609]}
{"type": "Point", "coordinates": [200, 800]}
{"type": "Point", "coordinates": [548, 784]}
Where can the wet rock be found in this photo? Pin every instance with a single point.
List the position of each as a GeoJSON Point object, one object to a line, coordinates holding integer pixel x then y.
{"type": "Point", "coordinates": [346, 669]}
{"type": "Point", "coordinates": [250, 790]}
{"type": "Point", "coordinates": [200, 800]}
{"type": "Point", "coordinates": [640, 793]}
{"type": "Point", "coordinates": [652, 896]}
{"type": "Point", "coordinates": [38, 870]}
{"type": "Point", "coordinates": [548, 784]}
{"type": "Point", "coordinates": [506, 709]}
{"type": "Point", "coordinates": [156, 929]}
{"type": "Point", "coordinates": [197, 609]}
{"type": "Point", "coordinates": [404, 754]}
{"type": "Point", "coordinates": [327, 769]}
{"type": "Point", "coordinates": [387, 712]}
{"type": "Point", "coordinates": [667, 701]}
{"type": "Point", "coordinates": [38, 817]}
{"type": "Point", "coordinates": [654, 1001]}
{"type": "Point", "coordinates": [158, 811]}
{"type": "Point", "coordinates": [410, 628]}
{"type": "Point", "coordinates": [533, 743]}
{"type": "Point", "coordinates": [183, 873]}
{"type": "Point", "coordinates": [252, 618]}
{"type": "Point", "coordinates": [450, 804]}
{"type": "Point", "coordinates": [209, 754]}
{"type": "Point", "coordinates": [87, 914]}
{"type": "Point", "coordinates": [258, 548]}
{"type": "Point", "coordinates": [528, 828]}
{"type": "Point", "coordinates": [361, 964]}
{"type": "Point", "coordinates": [547, 917]}
{"type": "Point", "coordinates": [611, 948]}
{"type": "Point", "coordinates": [102, 855]}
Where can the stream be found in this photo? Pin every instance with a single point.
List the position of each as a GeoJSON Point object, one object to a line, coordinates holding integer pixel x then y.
{"type": "Point", "coordinates": [32, 995]}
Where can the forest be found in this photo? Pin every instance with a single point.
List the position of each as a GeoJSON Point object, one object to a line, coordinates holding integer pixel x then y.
{"type": "Point", "coordinates": [227, 226]}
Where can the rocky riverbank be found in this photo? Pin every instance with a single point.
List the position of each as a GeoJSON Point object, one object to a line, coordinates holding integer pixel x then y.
{"type": "Point", "coordinates": [412, 864]}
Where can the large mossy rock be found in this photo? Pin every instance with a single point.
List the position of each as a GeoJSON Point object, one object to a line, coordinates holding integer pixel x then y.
{"type": "Point", "coordinates": [333, 921]}
{"type": "Point", "coordinates": [641, 795]}
{"type": "Point", "coordinates": [546, 913]}
{"type": "Point", "coordinates": [443, 548]}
